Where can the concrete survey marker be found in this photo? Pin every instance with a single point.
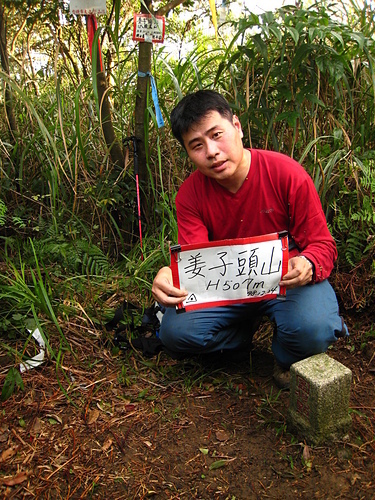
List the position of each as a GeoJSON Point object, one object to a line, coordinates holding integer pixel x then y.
{"type": "Point", "coordinates": [319, 399]}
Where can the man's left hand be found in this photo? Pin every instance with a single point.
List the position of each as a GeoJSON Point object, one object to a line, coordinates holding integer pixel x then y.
{"type": "Point", "coordinates": [300, 273]}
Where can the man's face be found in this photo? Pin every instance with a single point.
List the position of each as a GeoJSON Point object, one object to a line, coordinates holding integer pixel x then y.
{"type": "Point", "coordinates": [214, 145]}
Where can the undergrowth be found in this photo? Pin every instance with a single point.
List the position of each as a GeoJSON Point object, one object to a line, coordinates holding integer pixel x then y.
{"type": "Point", "coordinates": [301, 81]}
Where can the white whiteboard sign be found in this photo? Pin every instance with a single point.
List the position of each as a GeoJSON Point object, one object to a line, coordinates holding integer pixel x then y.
{"type": "Point", "coordinates": [148, 28]}
{"type": "Point", "coordinates": [230, 271]}
{"type": "Point", "coordinates": [87, 7]}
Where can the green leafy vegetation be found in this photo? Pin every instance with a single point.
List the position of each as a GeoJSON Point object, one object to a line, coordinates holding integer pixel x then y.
{"type": "Point", "coordinates": [12, 381]}
{"type": "Point", "coordinates": [301, 80]}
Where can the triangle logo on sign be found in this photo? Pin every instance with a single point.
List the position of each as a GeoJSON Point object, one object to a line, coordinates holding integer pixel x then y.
{"type": "Point", "coordinates": [191, 298]}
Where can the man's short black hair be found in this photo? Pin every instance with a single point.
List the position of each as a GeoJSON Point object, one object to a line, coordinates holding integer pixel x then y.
{"type": "Point", "coordinates": [193, 107]}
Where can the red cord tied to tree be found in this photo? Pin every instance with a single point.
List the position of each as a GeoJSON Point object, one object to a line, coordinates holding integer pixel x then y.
{"type": "Point", "coordinates": [92, 26]}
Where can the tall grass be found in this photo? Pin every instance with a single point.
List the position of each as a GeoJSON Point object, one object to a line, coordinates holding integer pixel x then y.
{"type": "Point", "coordinates": [302, 81]}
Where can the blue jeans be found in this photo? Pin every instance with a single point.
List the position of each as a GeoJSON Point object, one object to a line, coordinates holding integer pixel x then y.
{"type": "Point", "coordinates": [306, 322]}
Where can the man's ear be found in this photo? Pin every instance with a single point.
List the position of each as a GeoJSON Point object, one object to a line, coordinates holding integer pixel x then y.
{"type": "Point", "coordinates": [237, 125]}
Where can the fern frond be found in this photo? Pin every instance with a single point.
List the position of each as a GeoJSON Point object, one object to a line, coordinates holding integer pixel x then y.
{"type": "Point", "coordinates": [3, 212]}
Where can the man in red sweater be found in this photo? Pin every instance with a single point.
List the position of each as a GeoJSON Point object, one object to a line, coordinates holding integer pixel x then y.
{"type": "Point", "coordinates": [237, 193]}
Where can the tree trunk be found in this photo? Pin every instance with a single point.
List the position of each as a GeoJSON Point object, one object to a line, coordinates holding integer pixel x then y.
{"type": "Point", "coordinates": [144, 67]}
{"type": "Point", "coordinates": [115, 148]}
{"type": "Point", "coordinates": [12, 122]}
{"type": "Point", "coordinates": [113, 145]}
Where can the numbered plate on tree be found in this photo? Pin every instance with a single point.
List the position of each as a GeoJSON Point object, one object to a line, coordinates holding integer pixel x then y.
{"type": "Point", "coordinates": [87, 7]}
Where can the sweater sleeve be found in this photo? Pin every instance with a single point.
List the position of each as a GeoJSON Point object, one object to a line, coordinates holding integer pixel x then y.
{"type": "Point", "coordinates": [308, 228]}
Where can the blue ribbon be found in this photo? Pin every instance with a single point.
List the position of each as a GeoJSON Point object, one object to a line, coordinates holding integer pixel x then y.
{"type": "Point", "coordinates": [154, 92]}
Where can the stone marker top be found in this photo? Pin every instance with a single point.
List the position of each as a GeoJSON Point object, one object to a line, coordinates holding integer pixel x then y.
{"type": "Point", "coordinates": [319, 398]}
{"type": "Point", "coordinates": [321, 368]}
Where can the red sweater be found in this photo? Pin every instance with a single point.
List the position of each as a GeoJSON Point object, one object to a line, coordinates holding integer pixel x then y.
{"type": "Point", "coordinates": [277, 195]}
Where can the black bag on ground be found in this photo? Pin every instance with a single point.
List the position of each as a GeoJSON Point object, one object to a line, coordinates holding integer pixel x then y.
{"type": "Point", "coordinates": [147, 340]}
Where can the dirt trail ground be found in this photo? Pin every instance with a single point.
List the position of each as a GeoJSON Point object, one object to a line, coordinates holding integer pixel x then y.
{"type": "Point", "coordinates": [157, 428]}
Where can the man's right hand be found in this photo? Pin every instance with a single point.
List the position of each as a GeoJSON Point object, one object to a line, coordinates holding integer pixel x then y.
{"type": "Point", "coordinates": [163, 290]}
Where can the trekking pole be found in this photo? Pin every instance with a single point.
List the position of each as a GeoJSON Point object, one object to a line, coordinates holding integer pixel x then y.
{"type": "Point", "coordinates": [136, 173]}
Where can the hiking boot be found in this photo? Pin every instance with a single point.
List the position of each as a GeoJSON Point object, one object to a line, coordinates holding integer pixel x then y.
{"type": "Point", "coordinates": [281, 376]}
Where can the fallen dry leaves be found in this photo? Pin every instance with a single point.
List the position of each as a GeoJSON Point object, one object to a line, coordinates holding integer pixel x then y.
{"type": "Point", "coordinates": [10, 452]}
{"type": "Point", "coordinates": [134, 428]}
{"type": "Point", "coordinates": [13, 481]}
